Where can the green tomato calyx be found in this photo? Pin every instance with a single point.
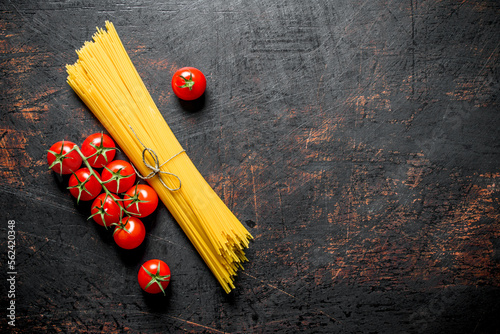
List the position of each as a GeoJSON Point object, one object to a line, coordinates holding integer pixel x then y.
{"type": "Point", "coordinates": [81, 187]}
{"type": "Point", "coordinates": [156, 278]}
{"type": "Point", "coordinates": [188, 83]}
{"type": "Point", "coordinates": [101, 150]}
{"type": "Point", "coordinates": [59, 157]}
{"type": "Point", "coordinates": [116, 176]}
{"type": "Point", "coordinates": [121, 226]}
{"type": "Point", "coordinates": [134, 199]}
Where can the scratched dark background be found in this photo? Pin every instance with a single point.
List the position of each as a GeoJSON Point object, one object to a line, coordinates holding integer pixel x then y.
{"type": "Point", "coordinates": [358, 141]}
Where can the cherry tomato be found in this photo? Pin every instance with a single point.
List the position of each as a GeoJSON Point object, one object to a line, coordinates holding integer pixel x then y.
{"type": "Point", "coordinates": [62, 162]}
{"type": "Point", "coordinates": [189, 83]}
{"type": "Point", "coordinates": [100, 148]}
{"type": "Point", "coordinates": [130, 233]}
{"type": "Point", "coordinates": [83, 185]}
{"type": "Point", "coordinates": [105, 211]}
{"type": "Point", "coordinates": [118, 176]}
{"type": "Point", "coordinates": [154, 276]}
{"type": "Point", "coordinates": [140, 200]}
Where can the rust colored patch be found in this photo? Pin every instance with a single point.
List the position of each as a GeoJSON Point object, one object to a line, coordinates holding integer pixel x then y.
{"type": "Point", "coordinates": [12, 162]}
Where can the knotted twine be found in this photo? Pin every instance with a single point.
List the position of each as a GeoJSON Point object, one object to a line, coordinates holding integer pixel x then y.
{"type": "Point", "coordinates": [155, 170]}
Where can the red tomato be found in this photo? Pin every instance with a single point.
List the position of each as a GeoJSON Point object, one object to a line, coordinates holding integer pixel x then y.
{"type": "Point", "coordinates": [105, 210]}
{"type": "Point", "coordinates": [154, 276]}
{"type": "Point", "coordinates": [140, 200]}
{"type": "Point", "coordinates": [118, 176]}
{"type": "Point", "coordinates": [100, 148]}
{"type": "Point", "coordinates": [62, 162]}
{"type": "Point", "coordinates": [83, 185]}
{"type": "Point", "coordinates": [130, 233]}
{"type": "Point", "coordinates": [189, 83]}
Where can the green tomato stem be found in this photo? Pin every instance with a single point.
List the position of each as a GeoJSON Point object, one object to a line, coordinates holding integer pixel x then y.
{"type": "Point", "coordinates": [93, 173]}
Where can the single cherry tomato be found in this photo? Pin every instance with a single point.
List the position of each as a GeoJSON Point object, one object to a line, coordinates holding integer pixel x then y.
{"type": "Point", "coordinates": [62, 162]}
{"type": "Point", "coordinates": [83, 185]}
{"type": "Point", "coordinates": [100, 148]}
{"type": "Point", "coordinates": [140, 200]}
{"type": "Point", "coordinates": [118, 176]}
{"type": "Point", "coordinates": [154, 276]}
{"type": "Point", "coordinates": [130, 233]}
{"type": "Point", "coordinates": [106, 211]}
{"type": "Point", "coordinates": [189, 83]}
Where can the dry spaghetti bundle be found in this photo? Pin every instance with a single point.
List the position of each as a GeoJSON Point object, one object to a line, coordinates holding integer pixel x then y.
{"type": "Point", "coordinates": [107, 81]}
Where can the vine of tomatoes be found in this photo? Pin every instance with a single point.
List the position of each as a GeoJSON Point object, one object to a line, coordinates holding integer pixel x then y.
{"type": "Point", "coordinates": [108, 209]}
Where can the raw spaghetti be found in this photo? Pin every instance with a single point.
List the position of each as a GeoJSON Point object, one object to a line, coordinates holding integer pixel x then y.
{"type": "Point", "coordinates": [107, 81]}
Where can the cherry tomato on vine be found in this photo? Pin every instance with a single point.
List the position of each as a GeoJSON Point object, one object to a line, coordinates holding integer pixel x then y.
{"type": "Point", "coordinates": [105, 211]}
{"type": "Point", "coordinates": [140, 200]}
{"type": "Point", "coordinates": [83, 185]}
{"type": "Point", "coordinates": [188, 83]}
{"type": "Point", "coordinates": [118, 176]}
{"type": "Point", "coordinates": [154, 276]}
{"type": "Point", "coordinates": [100, 148]}
{"type": "Point", "coordinates": [62, 162]}
{"type": "Point", "coordinates": [130, 233]}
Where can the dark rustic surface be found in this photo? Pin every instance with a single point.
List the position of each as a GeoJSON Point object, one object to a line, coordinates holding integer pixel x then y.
{"type": "Point", "coordinates": [358, 141]}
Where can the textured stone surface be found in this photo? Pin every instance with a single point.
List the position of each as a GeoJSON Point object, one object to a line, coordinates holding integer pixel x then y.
{"type": "Point", "coordinates": [358, 141]}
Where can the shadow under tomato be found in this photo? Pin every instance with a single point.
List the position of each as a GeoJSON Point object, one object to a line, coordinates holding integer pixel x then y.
{"type": "Point", "coordinates": [62, 181]}
{"type": "Point", "coordinates": [150, 221]}
{"type": "Point", "coordinates": [132, 257]}
{"type": "Point", "coordinates": [194, 105]}
{"type": "Point", "coordinates": [84, 207]}
{"type": "Point", "coordinates": [106, 235]}
{"type": "Point", "coordinates": [158, 302]}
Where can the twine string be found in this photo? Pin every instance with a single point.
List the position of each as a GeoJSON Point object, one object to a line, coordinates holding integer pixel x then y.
{"type": "Point", "coordinates": [156, 168]}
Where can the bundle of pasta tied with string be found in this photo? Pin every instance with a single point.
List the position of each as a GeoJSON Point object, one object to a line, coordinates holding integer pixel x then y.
{"type": "Point", "coordinates": [105, 78]}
